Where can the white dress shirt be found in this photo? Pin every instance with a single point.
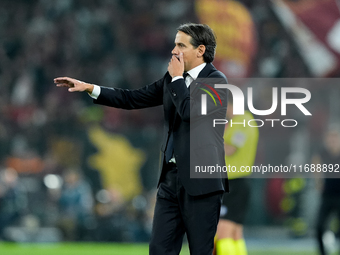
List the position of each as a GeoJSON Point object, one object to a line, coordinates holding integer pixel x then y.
{"type": "Point", "coordinates": [95, 92]}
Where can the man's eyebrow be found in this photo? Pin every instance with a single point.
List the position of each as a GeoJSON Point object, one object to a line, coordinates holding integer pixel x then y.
{"type": "Point", "coordinates": [180, 43]}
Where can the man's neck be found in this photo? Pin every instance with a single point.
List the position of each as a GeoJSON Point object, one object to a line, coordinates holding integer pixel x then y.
{"type": "Point", "coordinates": [195, 65]}
{"type": "Point", "coordinates": [194, 72]}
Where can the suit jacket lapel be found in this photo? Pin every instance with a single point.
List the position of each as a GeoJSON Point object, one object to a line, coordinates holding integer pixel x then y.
{"type": "Point", "coordinates": [206, 70]}
{"type": "Point", "coordinates": [203, 74]}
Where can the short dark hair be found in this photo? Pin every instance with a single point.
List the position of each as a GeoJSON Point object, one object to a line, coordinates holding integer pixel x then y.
{"type": "Point", "coordinates": [201, 34]}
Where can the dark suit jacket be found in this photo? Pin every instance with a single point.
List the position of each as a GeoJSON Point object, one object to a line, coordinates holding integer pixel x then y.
{"type": "Point", "coordinates": [182, 113]}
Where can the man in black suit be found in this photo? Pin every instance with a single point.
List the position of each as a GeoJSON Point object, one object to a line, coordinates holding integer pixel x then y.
{"type": "Point", "coordinates": [184, 204]}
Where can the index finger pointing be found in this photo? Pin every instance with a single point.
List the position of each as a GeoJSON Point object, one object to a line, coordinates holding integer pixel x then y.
{"type": "Point", "coordinates": [62, 80]}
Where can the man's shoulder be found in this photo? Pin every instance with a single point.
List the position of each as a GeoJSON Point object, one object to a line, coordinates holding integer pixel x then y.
{"type": "Point", "coordinates": [217, 74]}
{"type": "Point", "coordinates": [214, 73]}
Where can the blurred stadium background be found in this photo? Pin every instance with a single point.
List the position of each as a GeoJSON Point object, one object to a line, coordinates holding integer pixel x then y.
{"type": "Point", "coordinates": [64, 162]}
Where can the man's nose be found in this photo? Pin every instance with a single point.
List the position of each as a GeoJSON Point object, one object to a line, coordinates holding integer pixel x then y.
{"type": "Point", "coordinates": [174, 51]}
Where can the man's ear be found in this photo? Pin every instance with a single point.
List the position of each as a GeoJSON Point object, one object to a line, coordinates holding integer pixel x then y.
{"type": "Point", "coordinates": [201, 50]}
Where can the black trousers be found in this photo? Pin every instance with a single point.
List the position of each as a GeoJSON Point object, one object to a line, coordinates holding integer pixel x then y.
{"type": "Point", "coordinates": [177, 212]}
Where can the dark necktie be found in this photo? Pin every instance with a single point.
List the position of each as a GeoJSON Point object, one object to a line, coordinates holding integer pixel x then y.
{"type": "Point", "coordinates": [185, 74]}
{"type": "Point", "coordinates": [170, 146]}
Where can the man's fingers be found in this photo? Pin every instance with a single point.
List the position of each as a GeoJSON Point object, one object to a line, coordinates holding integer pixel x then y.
{"type": "Point", "coordinates": [73, 85]}
{"type": "Point", "coordinates": [64, 80]}
{"type": "Point", "coordinates": [181, 57]}
{"type": "Point", "coordinates": [60, 81]}
{"type": "Point", "coordinates": [175, 58]}
{"type": "Point", "coordinates": [63, 85]}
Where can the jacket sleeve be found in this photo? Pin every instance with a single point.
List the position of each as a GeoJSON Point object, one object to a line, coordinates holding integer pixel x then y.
{"type": "Point", "coordinates": [188, 104]}
{"type": "Point", "coordinates": [148, 96]}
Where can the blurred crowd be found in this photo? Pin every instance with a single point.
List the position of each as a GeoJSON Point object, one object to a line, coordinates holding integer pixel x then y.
{"type": "Point", "coordinates": [43, 130]}
{"type": "Point", "coordinates": [65, 208]}
{"type": "Point", "coordinates": [45, 179]}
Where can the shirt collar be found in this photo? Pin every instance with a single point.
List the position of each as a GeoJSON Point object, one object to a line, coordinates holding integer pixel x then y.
{"type": "Point", "coordinates": [196, 71]}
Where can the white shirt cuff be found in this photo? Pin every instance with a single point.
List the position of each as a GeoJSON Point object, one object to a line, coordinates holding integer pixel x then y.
{"type": "Point", "coordinates": [176, 78]}
{"type": "Point", "coordinates": [95, 92]}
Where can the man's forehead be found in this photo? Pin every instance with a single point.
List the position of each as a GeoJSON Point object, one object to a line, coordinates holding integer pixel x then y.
{"type": "Point", "coordinates": [182, 37]}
